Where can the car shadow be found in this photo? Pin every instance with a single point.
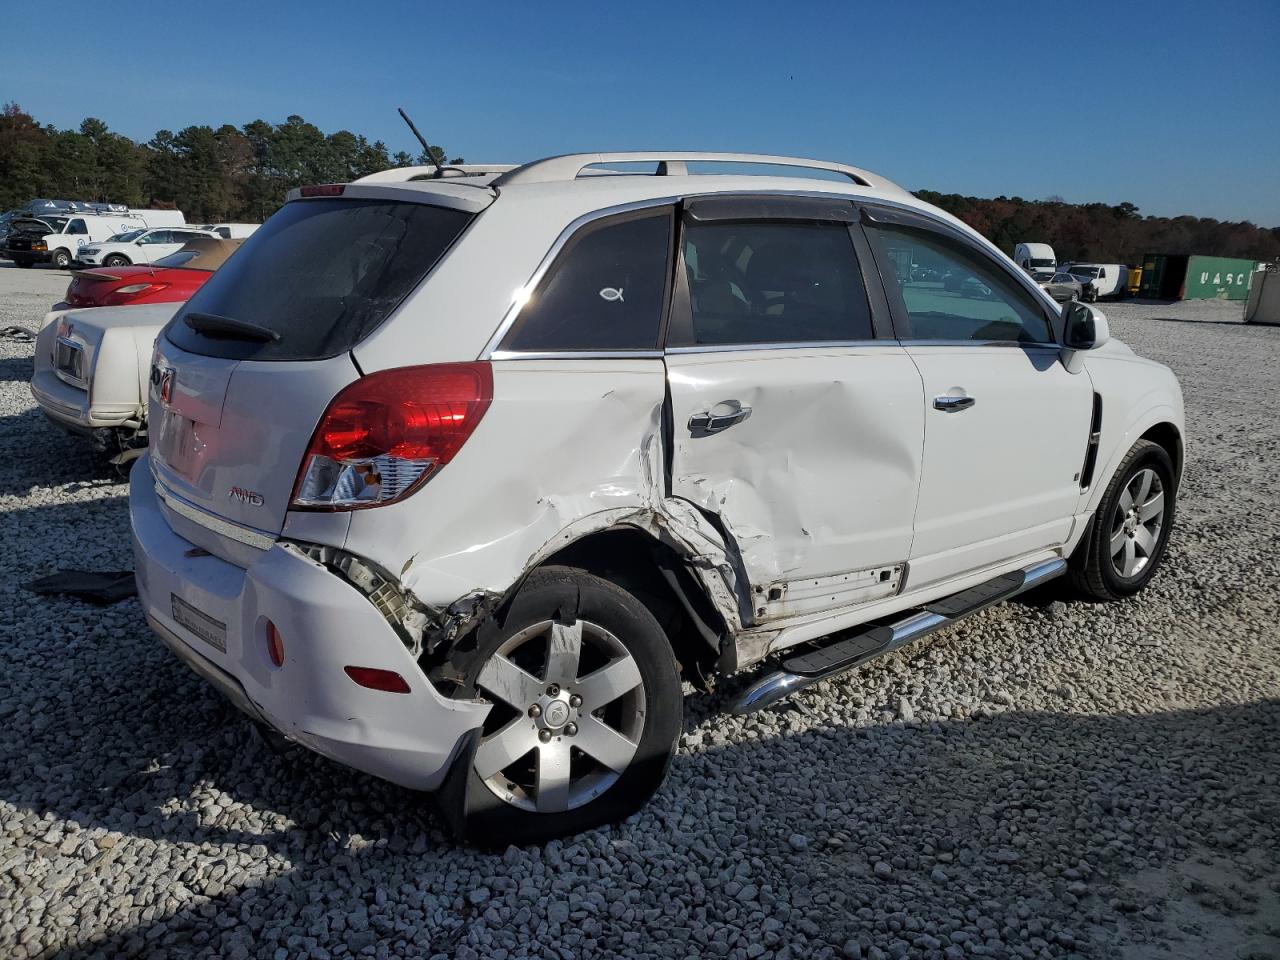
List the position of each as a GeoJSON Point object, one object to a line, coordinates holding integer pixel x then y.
{"type": "Point", "coordinates": [170, 761]}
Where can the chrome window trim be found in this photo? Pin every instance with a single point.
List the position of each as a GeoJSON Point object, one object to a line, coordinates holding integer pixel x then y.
{"type": "Point", "coordinates": [223, 528]}
{"type": "Point", "coordinates": [575, 355]}
{"type": "Point", "coordinates": [785, 345]}
{"type": "Point", "coordinates": [1013, 344]}
{"type": "Point", "coordinates": [526, 289]}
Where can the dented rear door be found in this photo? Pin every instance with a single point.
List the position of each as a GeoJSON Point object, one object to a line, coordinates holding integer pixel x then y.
{"type": "Point", "coordinates": [792, 421]}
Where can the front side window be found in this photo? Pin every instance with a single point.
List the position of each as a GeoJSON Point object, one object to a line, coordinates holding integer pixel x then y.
{"type": "Point", "coordinates": [605, 291]}
{"type": "Point", "coordinates": [755, 282]}
{"type": "Point", "coordinates": [77, 226]}
{"type": "Point", "coordinates": [964, 296]}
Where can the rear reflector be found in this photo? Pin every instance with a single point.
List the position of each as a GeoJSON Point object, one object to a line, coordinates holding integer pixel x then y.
{"type": "Point", "coordinates": [386, 680]}
{"type": "Point", "coordinates": [388, 433]}
{"type": "Point", "coordinates": [275, 645]}
{"type": "Point", "coordinates": [323, 190]}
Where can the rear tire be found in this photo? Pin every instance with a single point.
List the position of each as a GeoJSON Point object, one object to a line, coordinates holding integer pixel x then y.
{"type": "Point", "coordinates": [1127, 538]}
{"type": "Point", "coordinates": [538, 768]}
{"type": "Point", "coordinates": [116, 260]}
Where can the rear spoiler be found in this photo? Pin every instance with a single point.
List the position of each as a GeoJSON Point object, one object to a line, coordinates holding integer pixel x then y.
{"type": "Point", "coordinates": [95, 275]}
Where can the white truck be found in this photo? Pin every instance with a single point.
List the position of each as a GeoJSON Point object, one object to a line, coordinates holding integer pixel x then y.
{"type": "Point", "coordinates": [1105, 279]}
{"type": "Point", "coordinates": [59, 239]}
{"type": "Point", "coordinates": [1035, 257]}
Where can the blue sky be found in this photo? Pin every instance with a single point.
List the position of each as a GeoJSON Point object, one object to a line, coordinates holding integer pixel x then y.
{"type": "Point", "coordinates": [1170, 105]}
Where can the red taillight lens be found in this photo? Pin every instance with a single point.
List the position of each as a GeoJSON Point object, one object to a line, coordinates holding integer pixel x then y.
{"type": "Point", "coordinates": [375, 679]}
{"type": "Point", "coordinates": [275, 645]}
{"type": "Point", "coordinates": [387, 433]}
{"type": "Point", "coordinates": [323, 190]}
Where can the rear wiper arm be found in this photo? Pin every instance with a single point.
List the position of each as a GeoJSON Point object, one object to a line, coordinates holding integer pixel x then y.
{"type": "Point", "coordinates": [229, 327]}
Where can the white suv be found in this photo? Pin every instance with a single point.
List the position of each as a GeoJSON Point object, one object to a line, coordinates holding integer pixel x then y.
{"type": "Point", "coordinates": [454, 480]}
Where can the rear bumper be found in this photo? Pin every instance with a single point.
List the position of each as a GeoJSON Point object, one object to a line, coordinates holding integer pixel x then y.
{"type": "Point", "coordinates": [409, 739]}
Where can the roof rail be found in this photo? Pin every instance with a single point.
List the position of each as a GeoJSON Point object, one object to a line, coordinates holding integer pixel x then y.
{"type": "Point", "coordinates": [571, 165]}
{"type": "Point", "coordinates": [452, 171]}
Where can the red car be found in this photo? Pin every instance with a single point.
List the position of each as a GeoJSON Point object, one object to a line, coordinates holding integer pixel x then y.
{"type": "Point", "coordinates": [170, 280]}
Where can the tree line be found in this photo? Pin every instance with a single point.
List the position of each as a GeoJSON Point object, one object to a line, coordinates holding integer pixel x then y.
{"type": "Point", "coordinates": [233, 173]}
{"type": "Point", "coordinates": [227, 173]}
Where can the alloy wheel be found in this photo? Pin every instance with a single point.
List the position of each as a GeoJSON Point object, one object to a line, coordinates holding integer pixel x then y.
{"type": "Point", "coordinates": [1136, 525]}
{"type": "Point", "coordinates": [569, 712]}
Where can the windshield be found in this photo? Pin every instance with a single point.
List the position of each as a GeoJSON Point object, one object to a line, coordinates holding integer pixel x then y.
{"type": "Point", "coordinates": [1090, 272]}
{"type": "Point", "coordinates": [43, 225]}
{"type": "Point", "coordinates": [128, 237]}
{"type": "Point", "coordinates": [322, 274]}
{"type": "Point", "coordinates": [1041, 263]}
{"type": "Point", "coordinates": [1064, 278]}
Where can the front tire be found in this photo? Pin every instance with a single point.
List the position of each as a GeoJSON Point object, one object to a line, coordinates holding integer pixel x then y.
{"type": "Point", "coordinates": [1130, 530]}
{"type": "Point", "coordinates": [61, 259]}
{"type": "Point", "coordinates": [116, 260]}
{"type": "Point", "coordinates": [587, 712]}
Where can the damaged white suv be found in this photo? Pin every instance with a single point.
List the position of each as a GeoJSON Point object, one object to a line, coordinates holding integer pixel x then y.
{"type": "Point", "coordinates": [454, 480]}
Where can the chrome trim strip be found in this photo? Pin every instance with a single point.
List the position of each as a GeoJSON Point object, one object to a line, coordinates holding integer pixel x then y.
{"type": "Point", "coordinates": [797, 345]}
{"type": "Point", "coordinates": [780, 684]}
{"type": "Point", "coordinates": [576, 355]}
{"type": "Point", "coordinates": [1016, 344]}
{"type": "Point", "coordinates": [223, 528]}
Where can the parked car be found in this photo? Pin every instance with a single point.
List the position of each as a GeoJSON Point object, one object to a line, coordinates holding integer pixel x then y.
{"type": "Point", "coordinates": [90, 372]}
{"type": "Point", "coordinates": [139, 246]}
{"type": "Point", "coordinates": [1035, 257]}
{"type": "Point", "coordinates": [91, 365]}
{"type": "Point", "coordinates": [454, 480]}
{"type": "Point", "coordinates": [1105, 279]}
{"type": "Point", "coordinates": [1063, 286]}
{"type": "Point", "coordinates": [171, 279]}
{"type": "Point", "coordinates": [231, 231]}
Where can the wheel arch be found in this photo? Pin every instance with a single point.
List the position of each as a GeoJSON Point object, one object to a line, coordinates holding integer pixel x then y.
{"type": "Point", "coordinates": [659, 577]}
{"type": "Point", "coordinates": [1167, 435]}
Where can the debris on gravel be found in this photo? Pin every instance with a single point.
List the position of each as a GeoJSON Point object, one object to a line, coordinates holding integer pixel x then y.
{"type": "Point", "coordinates": [1052, 778]}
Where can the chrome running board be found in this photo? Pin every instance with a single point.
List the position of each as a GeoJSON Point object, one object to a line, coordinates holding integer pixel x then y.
{"type": "Point", "coordinates": [845, 652]}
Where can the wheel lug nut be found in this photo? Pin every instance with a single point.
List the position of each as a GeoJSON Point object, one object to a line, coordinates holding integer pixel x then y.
{"type": "Point", "coordinates": [570, 729]}
{"type": "Point", "coordinates": [544, 735]}
{"type": "Point", "coordinates": [553, 690]}
{"type": "Point", "coordinates": [575, 701]}
{"type": "Point", "coordinates": [535, 711]}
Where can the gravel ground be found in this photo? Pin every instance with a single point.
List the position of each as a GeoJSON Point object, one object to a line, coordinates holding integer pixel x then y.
{"type": "Point", "coordinates": [1047, 780]}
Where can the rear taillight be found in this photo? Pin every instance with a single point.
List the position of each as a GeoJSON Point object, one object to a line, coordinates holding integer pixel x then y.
{"type": "Point", "coordinates": [132, 292]}
{"type": "Point", "coordinates": [388, 433]}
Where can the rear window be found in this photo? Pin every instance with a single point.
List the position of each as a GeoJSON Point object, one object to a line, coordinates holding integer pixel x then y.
{"type": "Point", "coordinates": [322, 274]}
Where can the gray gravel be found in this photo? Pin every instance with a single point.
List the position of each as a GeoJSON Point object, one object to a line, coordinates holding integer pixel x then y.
{"type": "Point", "coordinates": [1051, 779]}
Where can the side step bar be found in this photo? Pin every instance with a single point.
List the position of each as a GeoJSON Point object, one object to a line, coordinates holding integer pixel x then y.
{"type": "Point", "coordinates": [846, 652]}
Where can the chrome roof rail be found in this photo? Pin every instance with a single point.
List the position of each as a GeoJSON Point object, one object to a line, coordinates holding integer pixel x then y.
{"type": "Point", "coordinates": [452, 171]}
{"type": "Point", "coordinates": [572, 165]}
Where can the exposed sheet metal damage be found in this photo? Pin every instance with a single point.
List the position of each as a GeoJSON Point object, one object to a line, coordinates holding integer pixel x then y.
{"type": "Point", "coordinates": [441, 636]}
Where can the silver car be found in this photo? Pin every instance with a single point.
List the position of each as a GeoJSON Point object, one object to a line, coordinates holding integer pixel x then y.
{"type": "Point", "coordinates": [1062, 286]}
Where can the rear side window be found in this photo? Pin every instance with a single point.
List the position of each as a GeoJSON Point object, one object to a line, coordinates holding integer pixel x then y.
{"type": "Point", "coordinates": [772, 282]}
{"type": "Point", "coordinates": [605, 291]}
{"type": "Point", "coordinates": [322, 274]}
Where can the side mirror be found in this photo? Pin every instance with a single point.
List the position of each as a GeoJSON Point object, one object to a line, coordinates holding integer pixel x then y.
{"type": "Point", "coordinates": [1084, 328]}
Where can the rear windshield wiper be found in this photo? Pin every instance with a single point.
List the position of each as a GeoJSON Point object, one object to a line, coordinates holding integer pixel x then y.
{"type": "Point", "coordinates": [229, 328]}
